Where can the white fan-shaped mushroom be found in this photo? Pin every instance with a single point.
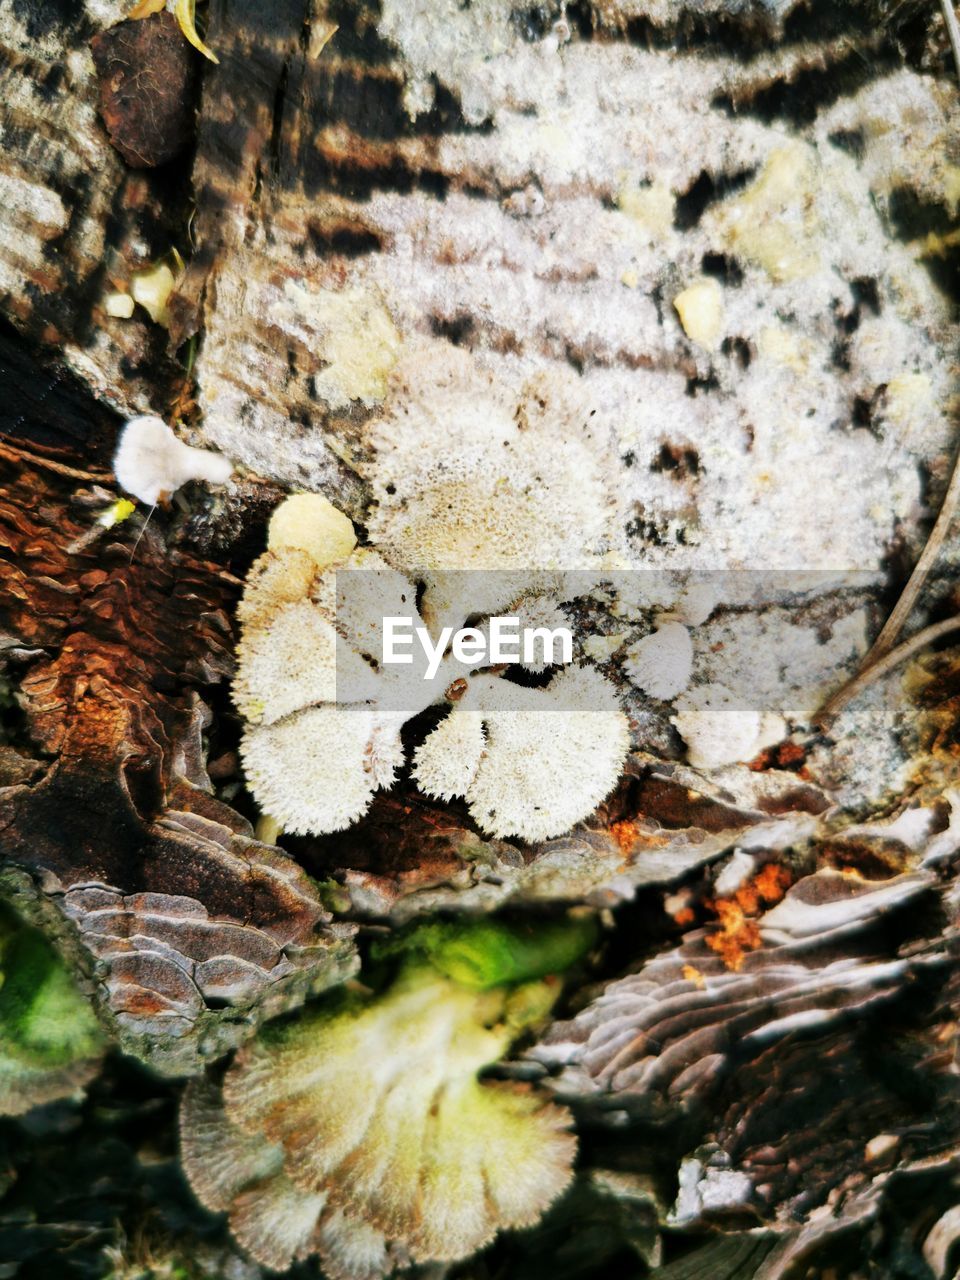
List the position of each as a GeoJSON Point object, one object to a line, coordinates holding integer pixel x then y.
{"type": "Point", "coordinates": [318, 770]}
{"type": "Point", "coordinates": [446, 762]}
{"type": "Point", "coordinates": [720, 728]}
{"type": "Point", "coordinates": [551, 756]}
{"type": "Point", "coordinates": [661, 663]}
{"type": "Point", "coordinates": [151, 463]}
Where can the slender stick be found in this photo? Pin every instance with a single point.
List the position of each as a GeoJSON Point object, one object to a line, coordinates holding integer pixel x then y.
{"type": "Point", "coordinates": [953, 29]}
{"type": "Point", "coordinates": [884, 666]}
{"type": "Point", "coordinates": [908, 597]}
{"type": "Point", "coordinates": [894, 624]}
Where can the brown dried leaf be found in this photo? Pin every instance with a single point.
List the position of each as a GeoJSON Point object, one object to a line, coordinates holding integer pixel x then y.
{"type": "Point", "coordinates": [148, 82]}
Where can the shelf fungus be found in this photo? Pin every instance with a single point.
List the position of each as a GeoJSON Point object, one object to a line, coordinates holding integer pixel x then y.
{"type": "Point", "coordinates": [324, 709]}
{"type": "Point", "coordinates": [50, 1040]}
{"type": "Point", "coordinates": [763, 1060]}
{"type": "Point", "coordinates": [360, 1131]}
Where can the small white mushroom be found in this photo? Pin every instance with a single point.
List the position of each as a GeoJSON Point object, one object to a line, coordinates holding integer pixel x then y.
{"type": "Point", "coordinates": [446, 763]}
{"type": "Point", "coordinates": [721, 729]}
{"type": "Point", "coordinates": [295, 662]}
{"type": "Point", "coordinates": [551, 754]}
{"type": "Point", "coordinates": [661, 663]}
{"type": "Point", "coordinates": [151, 463]}
{"type": "Point", "coordinates": [318, 770]}
{"type": "Point", "coordinates": [697, 603]}
{"type": "Point", "coordinates": [310, 522]}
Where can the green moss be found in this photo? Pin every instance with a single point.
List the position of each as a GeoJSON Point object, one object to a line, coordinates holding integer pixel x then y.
{"type": "Point", "coordinates": [44, 1019]}
{"type": "Point", "coordinates": [480, 954]}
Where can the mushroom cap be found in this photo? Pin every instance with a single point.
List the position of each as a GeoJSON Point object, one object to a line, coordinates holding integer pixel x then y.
{"type": "Point", "coordinates": [446, 762]}
{"type": "Point", "coordinates": [296, 661]}
{"type": "Point", "coordinates": [720, 728]}
{"type": "Point", "coordinates": [151, 462]}
{"type": "Point", "coordinates": [274, 1220]}
{"type": "Point", "coordinates": [531, 762]}
{"type": "Point", "coordinates": [661, 663]}
{"type": "Point", "coordinates": [378, 1106]}
{"type": "Point", "coordinates": [317, 770]}
{"type": "Point", "coordinates": [310, 522]}
{"type": "Point", "coordinates": [286, 665]}
{"type": "Point", "coordinates": [697, 602]}
{"type": "Point", "coordinates": [551, 755]}
{"type": "Point", "coordinates": [275, 579]}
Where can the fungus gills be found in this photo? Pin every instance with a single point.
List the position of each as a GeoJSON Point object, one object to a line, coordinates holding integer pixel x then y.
{"type": "Point", "coordinates": [360, 1131]}
{"type": "Point", "coordinates": [322, 730]}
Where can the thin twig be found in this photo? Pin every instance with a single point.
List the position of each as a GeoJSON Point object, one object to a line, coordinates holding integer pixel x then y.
{"type": "Point", "coordinates": [883, 666]}
{"type": "Point", "coordinates": [894, 624]}
{"type": "Point", "coordinates": [24, 455]}
{"type": "Point", "coordinates": [953, 29]}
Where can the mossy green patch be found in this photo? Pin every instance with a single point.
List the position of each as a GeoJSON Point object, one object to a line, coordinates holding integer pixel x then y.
{"type": "Point", "coordinates": [44, 1019]}
{"type": "Point", "coordinates": [479, 954]}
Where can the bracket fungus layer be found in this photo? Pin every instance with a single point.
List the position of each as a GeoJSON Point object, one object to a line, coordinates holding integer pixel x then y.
{"type": "Point", "coordinates": [792, 1074]}
{"type": "Point", "coordinates": [363, 1122]}
{"type": "Point", "coordinates": [197, 929]}
{"type": "Point", "coordinates": [323, 711]}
